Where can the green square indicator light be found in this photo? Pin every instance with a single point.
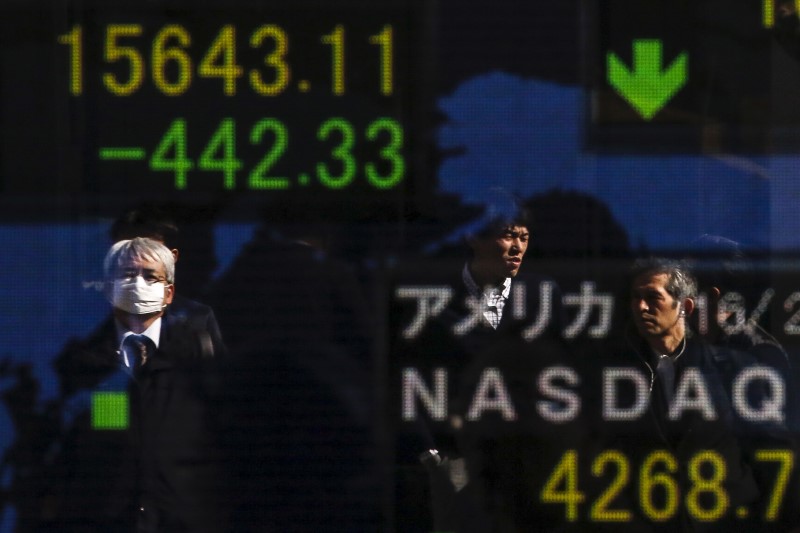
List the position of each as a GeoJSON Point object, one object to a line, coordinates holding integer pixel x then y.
{"type": "Point", "coordinates": [109, 410]}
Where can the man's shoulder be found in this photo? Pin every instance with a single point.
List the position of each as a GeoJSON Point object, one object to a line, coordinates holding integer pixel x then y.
{"type": "Point", "coordinates": [187, 308]}
{"type": "Point", "coordinates": [83, 363]}
{"type": "Point", "coordinates": [102, 340]}
{"type": "Point", "coordinates": [193, 314]}
{"type": "Point", "coordinates": [184, 338]}
{"type": "Point", "coordinates": [723, 361]}
{"type": "Point", "coordinates": [190, 319]}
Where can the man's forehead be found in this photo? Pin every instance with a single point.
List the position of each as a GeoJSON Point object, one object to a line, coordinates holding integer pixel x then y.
{"type": "Point", "coordinates": [139, 261]}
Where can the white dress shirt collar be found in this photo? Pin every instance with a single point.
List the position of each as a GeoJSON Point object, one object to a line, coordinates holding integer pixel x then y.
{"type": "Point", "coordinates": [153, 333]}
{"type": "Point", "coordinates": [492, 299]}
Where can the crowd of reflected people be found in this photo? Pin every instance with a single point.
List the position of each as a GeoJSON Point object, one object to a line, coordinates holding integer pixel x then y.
{"type": "Point", "coordinates": [475, 388]}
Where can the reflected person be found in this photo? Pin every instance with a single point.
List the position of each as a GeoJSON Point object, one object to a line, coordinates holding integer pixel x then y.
{"type": "Point", "coordinates": [157, 470]}
{"type": "Point", "coordinates": [688, 405]}
{"type": "Point", "coordinates": [492, 305]}
{"type": "Point", "coordinates": [156, 223]}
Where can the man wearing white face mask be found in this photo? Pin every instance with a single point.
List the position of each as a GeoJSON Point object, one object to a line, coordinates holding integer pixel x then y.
{"type": "Point", "coordinates": [160, 470]}
{"type": "Point", "coordinates": [142, 276]}
{"type": "Point", "coordinates": [159, 224]}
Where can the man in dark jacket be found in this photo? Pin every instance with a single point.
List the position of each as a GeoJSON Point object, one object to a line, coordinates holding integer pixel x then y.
{"type": "Point", "coordinates": [488, 304]}
{"type": "Point", "coordinates": [156, 223]}
{"type": "Point", "coordinates": [690, 432]}
{"type": "Point", "coordinates": [157, 468]}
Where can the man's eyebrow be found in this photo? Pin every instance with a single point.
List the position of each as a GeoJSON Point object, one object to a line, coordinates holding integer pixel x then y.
{"type": "Point", "coordinates": [644, 290]}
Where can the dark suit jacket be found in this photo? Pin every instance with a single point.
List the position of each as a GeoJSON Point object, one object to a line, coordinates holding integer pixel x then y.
{"type": "Point", "coordinates": [165, 461]}
{"type": "Point", "coordinates": [464, 347]}
{"type": "Point", "coordinates": [687, 436]}
{"type": "Point", "coordinates": [439, 344]}
{"type": "Point", "coordinates": [200, 318]}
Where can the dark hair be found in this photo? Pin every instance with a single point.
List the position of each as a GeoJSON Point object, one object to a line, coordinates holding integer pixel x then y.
{"type": "Point", "coordinates": [502, 210]}
{"type": "Point", "coordinates": [146, 221]}
{"type": "Point", "coordinates": [681, 283]}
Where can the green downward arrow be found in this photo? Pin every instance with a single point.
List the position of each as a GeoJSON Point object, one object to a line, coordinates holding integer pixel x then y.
{"type": "Point", "coordinates": [647, 87]}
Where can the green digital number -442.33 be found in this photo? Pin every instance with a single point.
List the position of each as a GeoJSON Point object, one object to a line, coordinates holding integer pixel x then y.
{"type": "Point", "coordinates": [339, 171]}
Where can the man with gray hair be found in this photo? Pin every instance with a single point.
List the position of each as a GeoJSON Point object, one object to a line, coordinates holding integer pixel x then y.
{"type": "Point", "coordinates": [140, 277]}
{"type": "Point", "coordinates": [155, 466]}
{"type": "Point", "coordinates": [156, 223]}
{"type": "Point", "coordinates": [688, 407]}
{"type": "Point", "coordinates": [663, 294]}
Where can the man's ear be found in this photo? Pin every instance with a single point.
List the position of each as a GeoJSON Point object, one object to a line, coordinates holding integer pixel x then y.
{"type": "Point", "coordinates": [169, 292]}
{"type": "Point", "coordinates": [175, 254]}
{"type": "Point", "coordinates": [688, 306]}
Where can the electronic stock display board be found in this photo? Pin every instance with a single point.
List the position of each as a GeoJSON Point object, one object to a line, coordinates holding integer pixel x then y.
{"type": "Point", "coordinates": [326, 106]}
{"type": "Point", "coordinates": [196, 102]}
{"type": "Point", "coordinates": [330, 103]}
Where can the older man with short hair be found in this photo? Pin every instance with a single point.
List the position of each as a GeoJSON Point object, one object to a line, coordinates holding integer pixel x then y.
{"type": "Point", "coordinates": [689, 409]}
{"type": "Point", "coordinates": [159, 470]}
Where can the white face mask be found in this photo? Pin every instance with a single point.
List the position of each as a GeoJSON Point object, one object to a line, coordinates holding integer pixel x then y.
{"type": "Point", "coordinates": [137, 297]}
